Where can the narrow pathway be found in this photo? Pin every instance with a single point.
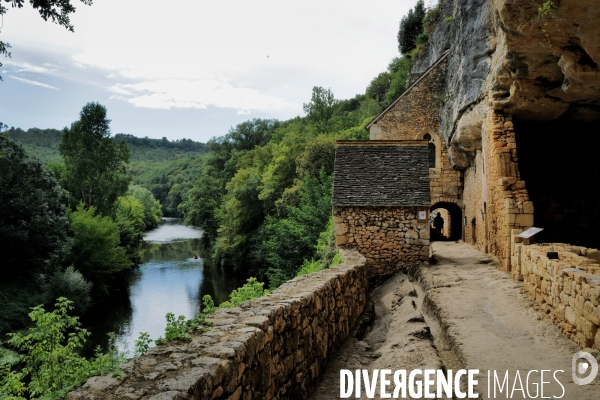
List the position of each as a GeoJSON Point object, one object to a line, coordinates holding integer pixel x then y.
{"type": "Point", "coordinates": [494, 325]}
{"type": "Point", "coordinates": [461, 313]}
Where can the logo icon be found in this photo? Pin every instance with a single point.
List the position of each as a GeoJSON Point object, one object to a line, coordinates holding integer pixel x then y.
{"type": "Point", "coordinates": [582, 364]}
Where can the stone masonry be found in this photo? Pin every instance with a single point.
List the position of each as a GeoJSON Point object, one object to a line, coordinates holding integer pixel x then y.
{"type": "Point", "coordinates": [380, 186]}
{"type": "Point", "coordinates": [272, 347]}
{"type": "Point", "coordinates": [496, 197]}
{"type": "Point", "coordinates": [416, 113]}
{"type": "Point", "coordinates": [390, 238]}
{"type": "Point", "coordinates": [567, 289]}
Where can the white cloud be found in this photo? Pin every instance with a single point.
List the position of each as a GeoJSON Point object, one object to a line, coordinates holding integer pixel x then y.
{"type": "Point", "coordinates": [206, 54]}
{"type": "Point", "coordinates": [34, 83]}
{"type": "Point", "coordinates": [21, 66]}
{"type": "Point", "coordinates": [196, 93]}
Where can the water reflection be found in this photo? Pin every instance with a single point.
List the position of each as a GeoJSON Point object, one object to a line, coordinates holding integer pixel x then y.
{"type": "Point", "coordinates": [169, 279]}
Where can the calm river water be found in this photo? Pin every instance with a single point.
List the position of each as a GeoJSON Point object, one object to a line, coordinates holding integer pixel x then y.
{"type": "Point", "coordinates": [168, 279]}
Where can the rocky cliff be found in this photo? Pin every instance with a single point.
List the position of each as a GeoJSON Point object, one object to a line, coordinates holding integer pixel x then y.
{"type": "Point", "coordinates": [535, 60]}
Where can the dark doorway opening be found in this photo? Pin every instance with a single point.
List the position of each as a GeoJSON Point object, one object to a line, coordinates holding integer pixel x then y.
{"type": "Point", "coordinates": [559, 161]}
{"type": "Point", "coordinates": [452, 222]}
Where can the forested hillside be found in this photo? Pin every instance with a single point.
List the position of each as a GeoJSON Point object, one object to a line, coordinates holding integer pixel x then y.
{"type": "Point", "coordinates": [262, 192]}
{"type": "Point", "coordinates": [43, 144]}
{"type": "Point", "coordinates": [263, 197]}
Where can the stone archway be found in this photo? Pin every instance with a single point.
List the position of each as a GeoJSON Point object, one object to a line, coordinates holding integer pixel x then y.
{"type": "Point", "coordinates": [452, 215]}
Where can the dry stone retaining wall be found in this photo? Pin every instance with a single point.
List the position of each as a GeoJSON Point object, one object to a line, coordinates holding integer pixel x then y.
{"type": "Point", "coordinates": [567, 289]}
{"type": "Point", "coordinates": [391, 238]}
{"type": "Point", "coordinates": [272, 347]}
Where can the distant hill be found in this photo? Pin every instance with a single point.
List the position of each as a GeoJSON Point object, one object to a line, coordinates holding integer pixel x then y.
{"type": "Point", "coordinates": [43, 144]}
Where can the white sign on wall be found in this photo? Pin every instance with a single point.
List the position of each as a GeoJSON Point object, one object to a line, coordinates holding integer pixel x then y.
{"type": "Point", "coordinates": [529, 232]}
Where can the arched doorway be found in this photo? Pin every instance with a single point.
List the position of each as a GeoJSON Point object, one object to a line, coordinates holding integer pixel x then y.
{"type": "Point", "coordinates": [452, 221]}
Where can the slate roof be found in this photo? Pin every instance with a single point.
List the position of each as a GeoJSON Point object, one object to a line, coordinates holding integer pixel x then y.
{"type": "Point", "coordinates": [381, 173]}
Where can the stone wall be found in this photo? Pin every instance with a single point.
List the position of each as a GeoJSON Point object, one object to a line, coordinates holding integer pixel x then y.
{"type": "Point", "coordinates": [390, 238]}
{"type": "Point", "coordinates": [416, 109]}
{"type": "Point", "coordinates": [416, 113]}
{"type": "Point", "coordinates": [567, 289]}
{"type": "Point", "coordinates": [496, 200]}
{"type": "Point", "coordinates": [272, 347]}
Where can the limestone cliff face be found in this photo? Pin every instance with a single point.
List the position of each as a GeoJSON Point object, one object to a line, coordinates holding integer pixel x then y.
{"type": "Point", "coordinates": [506, 56]}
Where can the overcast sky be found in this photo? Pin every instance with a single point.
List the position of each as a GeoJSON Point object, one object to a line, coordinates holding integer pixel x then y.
{"type": "Point", "coordinates": [192, 68]}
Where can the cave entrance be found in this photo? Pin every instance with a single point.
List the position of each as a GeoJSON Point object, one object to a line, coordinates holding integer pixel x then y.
{"type": "Point", "coordinates": [452, 221]}
{"type": "Point", "coordinates": [560, 162]}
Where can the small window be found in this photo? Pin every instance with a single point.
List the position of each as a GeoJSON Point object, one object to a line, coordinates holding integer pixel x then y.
{"type": "Point", "coordinates": [427, 136]}
{"type": "Point", "coordinates": [431, 155]}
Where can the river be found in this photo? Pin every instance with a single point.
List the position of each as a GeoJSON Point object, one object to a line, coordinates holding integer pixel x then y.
{"type": "Point", "coordinates": [168, 279]}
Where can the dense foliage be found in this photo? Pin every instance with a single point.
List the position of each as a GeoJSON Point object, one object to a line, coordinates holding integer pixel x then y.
{"type": "Point", "coordinates": [96, 253]}
{"type": "Point", "coordinates": [95, 164]}
{"type": "Point", "coordinates": [411, 26]}
{"type": "Point", "coordinates": [48, 365]}
{"type": "Point", "coordinates": [168, 180]}
{"type": "Point", "coordinates": [43, 143]}
{"type": "Point", "coordinates": [53, 246]}
{"type": "Point", "coordinates": [264, 193]}
{"type": "Point", "coordinates": [33, 223]}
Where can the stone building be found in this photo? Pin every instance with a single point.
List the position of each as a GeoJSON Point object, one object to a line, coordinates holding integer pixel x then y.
{"type": "Point", "coordinates": [481, 204]}
{"type": "Point", "coordinates": [415, 116]}
{"type": "Point", "coordinates": [381, 201]}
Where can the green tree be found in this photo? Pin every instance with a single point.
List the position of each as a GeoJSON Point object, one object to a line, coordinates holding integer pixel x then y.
{"type": "Point", "coordinates": [379, 87]}
{"type": "Point", "coordinates": [95, 164]}
{"type": "Point", "coordinates": [56, 10]}
{"type": "Point", "coordinates": [411, 25]}
{"type": "Point", "coordinates": [151, 207]}
{"type": "Point", "coordinates": [129, 217]}
{"type": "Point", "coordinates": [287, 242]}
{"type": "Point", "coordinates": [320, 108]}
{"type": "Point", "coordinates": [400, 71]}
{"type": "Point", "coordinates": [96, 252]}
{"type": "Point", "coordinates": [33, 222]}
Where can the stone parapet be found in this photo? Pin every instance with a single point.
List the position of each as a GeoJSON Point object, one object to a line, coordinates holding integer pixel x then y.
{"type": "Point", "coordinates": [567, 289]}
{"type": "Point", "coordinates": [272, 347]}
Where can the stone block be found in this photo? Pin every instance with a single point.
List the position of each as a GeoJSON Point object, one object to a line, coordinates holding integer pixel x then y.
{"type": "Point", "coordinates": [591, 313]}
{"type": "Point", "coordinates": [524, 220]}
{"type": "Point", "coordinates": [593, 255]}
{"type": "Point", "coordinates": [519, 185]}
{"type": "Point", "coordinates": [570, 315]}
{"type": "Point", "coordinates": [587, 328]}
{"type": "Point", "coordinates": [341, 240]}
{"type": "Point", "coordinates": [528, 207]}
{"type": "Point", "coordinates": [411, 234]}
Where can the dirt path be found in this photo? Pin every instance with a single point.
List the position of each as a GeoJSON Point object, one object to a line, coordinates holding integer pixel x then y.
{"type": "Point", "coordinates": [476, 317]}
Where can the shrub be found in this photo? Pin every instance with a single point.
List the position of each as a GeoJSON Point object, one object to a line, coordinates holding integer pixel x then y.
{"type": "Point", "coordinates": [179, 328]}
{"type": "Point", "coordinates": [49, 366]}
{"type": "Point", "coordinates": [72, 285]}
